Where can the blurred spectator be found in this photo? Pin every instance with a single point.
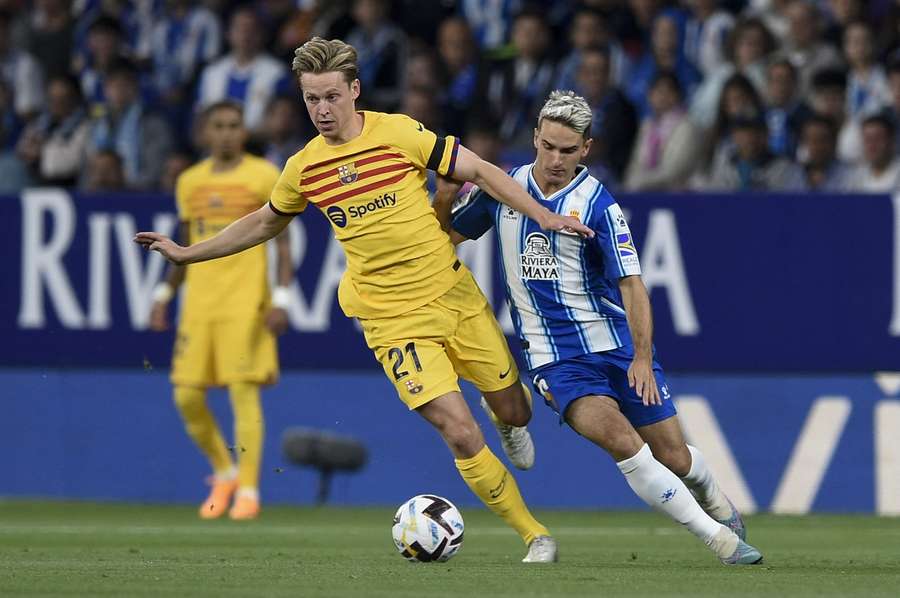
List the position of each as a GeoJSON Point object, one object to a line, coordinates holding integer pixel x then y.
{"type": "Point", "coordinates": [104, 173]}
{"type": "Point", "coordinates": [889, 33]}
{"type": "Point", "coordinates": [665, 54]}
{"type": "Point", "coordinates": [14, 175]}
{"type": "Point", "coordinates": [141, 138]}
{"type": "Point", "coordinates": [785, 109]}
{"type": "Point", "coordinates": [50, 36]}
{"type": "Point", "coordinates": [706, 35]}
{"type": "Point", "coordinates": [459, 60]}
{"type": "Point", "coordinates": [516, 88]}
{"type": "Point", "coordinates": [867, 86]}
{"type": "Point", "coordinates": [880, 169]}
{"type": "Point", "coordinates": [645, 13]}
{"type": "Point", "coordinates": [20, 72]}
{"type": "Point", "coordinates": [615, 123]}
{"type": "Point", "coordinates": [774, 14]}
{"type": "Point", "coordinates": [176, 163]}
{"type": "Point", "coordinates": [829, 99]}
{"type": "Point", "coordinates": [749, 165]}
{"type": "Point", "coordinates": [841, 14]}
{"type": "Point", "coordinates": [104, 48]}
{"type": "Point", "coordinates": [804, 45]}
{"type": "Point", "coordinates": [665, 154]}
{"type": "Point", "coordinates": [183, 39]}
{"type": "Point", "coordinates": [246, 74]}
{"type": "Point", "coordinates": [283, 133]}
{"type": "Point", "coordinates": [489, 20]}
{"type": "Point", "coordinates": [893, 110]}
{"type": "Point", "coordinates": [381, 48]}
{"type": "Point", "coordinates": [590, 29]}
{"type": "Point", "coordinates": [53, 144]}
{"type": "Point", "coordinates": [424, 71]}
{"type": "Point", "coordinates": [420, 104]}
{"type": "Point", "coordinates": [822, 169]}
{"type": "Point", "coordinates": [748, 49]}
{"type": "Point", "coordinates": [737, 100]}
{"type": "Point", "coordinates": [481, 138]}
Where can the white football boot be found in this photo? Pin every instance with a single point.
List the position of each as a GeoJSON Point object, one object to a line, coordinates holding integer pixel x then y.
{"type": "Point", "coordinates": [542, 550]}
{"type": "Point", "coordinates": [516, 442]}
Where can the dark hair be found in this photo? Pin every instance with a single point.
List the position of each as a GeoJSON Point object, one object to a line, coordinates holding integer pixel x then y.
{"type": "Point", "coordinates": [105, 25]}
{"type": "Point", "coordinates": [825, 121]}
{"type": "Point", "coordinates": [884, 120]}
{"type": "Point", "coordinates": [893, 67]}
{"type": "Point", "coordinates": [70, 81]}
{"type": "Point", "coordinates": [123, 67]}
{"type": "Point", "coordinates": [108, 153]}
{"type": "Point", "coordinates": [667, 77]}
{"type": "Point", "coordinates": [783, 61]}
{"type": "Point", "coordinates": [226, 104]}
{"type": "Point", "coordinates": [830, 78]}
{"type": "Point", "coordinates": [744, 25]}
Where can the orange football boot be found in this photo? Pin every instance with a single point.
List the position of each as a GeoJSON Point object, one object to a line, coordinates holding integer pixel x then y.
{"type": "Point", "coordinates": [244, 508]}
{"type": "Point", "coordinates": [219, 498]}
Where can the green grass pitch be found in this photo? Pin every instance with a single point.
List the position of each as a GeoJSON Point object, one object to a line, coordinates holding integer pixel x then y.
{"type": "Point", "coordinates": [89, 549]}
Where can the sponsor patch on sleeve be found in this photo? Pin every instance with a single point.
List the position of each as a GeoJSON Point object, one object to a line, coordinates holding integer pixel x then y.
{"type": "Point", "coordinates": [624, 241]}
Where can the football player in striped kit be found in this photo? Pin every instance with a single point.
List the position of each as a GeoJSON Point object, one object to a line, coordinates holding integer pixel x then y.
{"type": "Point", "coordinates": [583, 316]}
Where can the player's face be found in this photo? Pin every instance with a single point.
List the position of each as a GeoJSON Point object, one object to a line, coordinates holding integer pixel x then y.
{"type": "Point", "coordinates": [559, 150]}
{"type": "Point", "coordinates": [330, 101]}
{"type": "Point", "coordinates": [225, 133]}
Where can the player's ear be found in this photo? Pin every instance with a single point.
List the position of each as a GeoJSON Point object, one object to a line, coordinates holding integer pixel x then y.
{"type": "Point", "coordinates": [587, 147]}
{"type": "Point", "coordinates": [536, 133]}
{"type": "Point", "coordinates": [354, 89]}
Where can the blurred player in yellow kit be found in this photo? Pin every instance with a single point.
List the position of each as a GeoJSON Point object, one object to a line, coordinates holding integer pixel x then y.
{"type": "Point", "coordinates": [421, 311]}
{"type": "Point", "coordinates": [229, 319]}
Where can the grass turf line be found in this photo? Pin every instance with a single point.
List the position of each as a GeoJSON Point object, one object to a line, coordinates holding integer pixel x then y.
{"type": "Point", "coordinates": [89, 549]}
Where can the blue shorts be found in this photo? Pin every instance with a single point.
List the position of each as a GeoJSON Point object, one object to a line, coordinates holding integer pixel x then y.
{"type": "Point", "coordinates": [563, 382]}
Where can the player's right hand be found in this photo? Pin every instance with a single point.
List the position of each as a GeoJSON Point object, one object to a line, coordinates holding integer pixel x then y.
{"type": "Point", "coordinates": [565, 224]}
{"type": "Point", "coordinates": [159, 317]}
{"type": "Point", "coordinates": [168, 248]}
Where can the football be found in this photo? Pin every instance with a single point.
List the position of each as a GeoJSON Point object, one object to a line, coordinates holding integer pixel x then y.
{"type": "Point", "coordinates": [428, 528]}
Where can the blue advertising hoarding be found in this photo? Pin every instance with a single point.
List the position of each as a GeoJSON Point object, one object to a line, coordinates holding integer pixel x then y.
{"type": "Point", "coordinates": [739, 283]}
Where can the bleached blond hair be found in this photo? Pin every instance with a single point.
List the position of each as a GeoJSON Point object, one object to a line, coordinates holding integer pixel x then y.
{"type": "Point", "coordinates": [569, 109]}
{"type": "Point", "coordinates": [326, 56]}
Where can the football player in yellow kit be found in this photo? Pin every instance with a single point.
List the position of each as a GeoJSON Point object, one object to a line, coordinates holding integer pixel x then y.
{"type": "Point", "coordinates": [229, 319]}
{"type": "Point", "coordinates": [421, 311]}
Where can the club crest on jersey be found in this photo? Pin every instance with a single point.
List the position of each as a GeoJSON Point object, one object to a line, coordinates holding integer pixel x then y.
{"type": "Point", "coordinates": [538, 262]}
{"type": "Point", "coordinates": [347, 173]}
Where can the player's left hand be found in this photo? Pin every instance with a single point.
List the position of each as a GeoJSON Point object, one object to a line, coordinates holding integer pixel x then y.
{"type": "Point", "coordinates": [565, 224]}
{"type": "Point", "coordinates": [642, 380]}
{"type": "Point", "coordinates": [277, 321]}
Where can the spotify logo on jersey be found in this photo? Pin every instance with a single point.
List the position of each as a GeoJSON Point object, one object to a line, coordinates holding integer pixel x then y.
{"type": "Point", "coordinates": [337, 216]}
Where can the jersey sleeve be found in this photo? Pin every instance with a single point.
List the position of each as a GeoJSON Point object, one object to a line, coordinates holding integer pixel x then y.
{"type": "Point", "coordinates": [286, 199]}
{"type": "Point", "coordinates": [426, 149]}
{"type": "Point", "coordinates": [614, 241]}
{"type": "Point", "coordinates": [472, 213]}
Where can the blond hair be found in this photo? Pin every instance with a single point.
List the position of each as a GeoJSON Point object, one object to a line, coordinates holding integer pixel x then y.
{"type": "Point", "coordinates": [326, 56]}
{"type": "Point", "coordinates": [569, 109]}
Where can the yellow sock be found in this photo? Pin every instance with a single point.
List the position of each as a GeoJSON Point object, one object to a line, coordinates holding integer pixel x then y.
{"type": "Point", "coordinates": [497, 488]}
{"type": "Point", "coordinates": [202, 427]}
{"type": "Point", "coordinates": [249, 429]}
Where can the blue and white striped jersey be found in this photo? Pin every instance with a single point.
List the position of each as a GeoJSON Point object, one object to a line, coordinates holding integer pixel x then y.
{"type": "Point", "coordinates": [563, 290]}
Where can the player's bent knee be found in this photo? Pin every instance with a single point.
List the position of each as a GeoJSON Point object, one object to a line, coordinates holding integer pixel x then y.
{"type": "Point", "coordinates": [677, 459]}
{"type": "Point", "coordinates": [463, 438]}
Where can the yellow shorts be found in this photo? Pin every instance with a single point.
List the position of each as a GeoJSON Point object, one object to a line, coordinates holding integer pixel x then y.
{"type": "Point", "coordinates": [220, 352]}
{"type": "Point", "coordinates": [423, 351]}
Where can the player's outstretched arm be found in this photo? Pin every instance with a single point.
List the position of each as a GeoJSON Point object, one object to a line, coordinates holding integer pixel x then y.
{"type": "Point", "coordinates": [640, 323]}
{"type": "Point", "coordinates": [254, 228]}
{"type": "Point", "coordinates": [500, 186]}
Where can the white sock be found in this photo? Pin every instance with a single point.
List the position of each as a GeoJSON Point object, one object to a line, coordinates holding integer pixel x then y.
{"type": "Point", "coordinates": [703, 485]}
{"type": "Point", "coordinates": [226, 475]}
{"type": "Point", "coordinates": [664, 491]}
{"type": "Point", "coordinates": [247, 492]}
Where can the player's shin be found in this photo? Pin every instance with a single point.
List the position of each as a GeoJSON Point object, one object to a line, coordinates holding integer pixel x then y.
{"type": "Point", "coordinates": [665, 492]}
{"type": "Point", "coordinates": [248, 434]}
{"type": "Point", "coordinates": [201, 426]}
{"type": "Point", "coordinates": [702, 484]}
{"type": "Point", "coordinates": [496, 487]}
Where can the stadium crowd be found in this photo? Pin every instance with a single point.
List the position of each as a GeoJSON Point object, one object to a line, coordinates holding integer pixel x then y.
{"type": "Point", "coordinates": [732, 95]}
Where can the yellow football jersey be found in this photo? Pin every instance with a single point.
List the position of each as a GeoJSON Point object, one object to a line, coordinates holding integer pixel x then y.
{"type": "Point", "coordinates": [209, 201]}
{"type": "Point", "coordinates": [372, 189]}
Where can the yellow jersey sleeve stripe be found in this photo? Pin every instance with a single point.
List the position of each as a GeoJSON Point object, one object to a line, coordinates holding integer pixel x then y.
{"type": "Point", "coordinates": [443, 156]}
